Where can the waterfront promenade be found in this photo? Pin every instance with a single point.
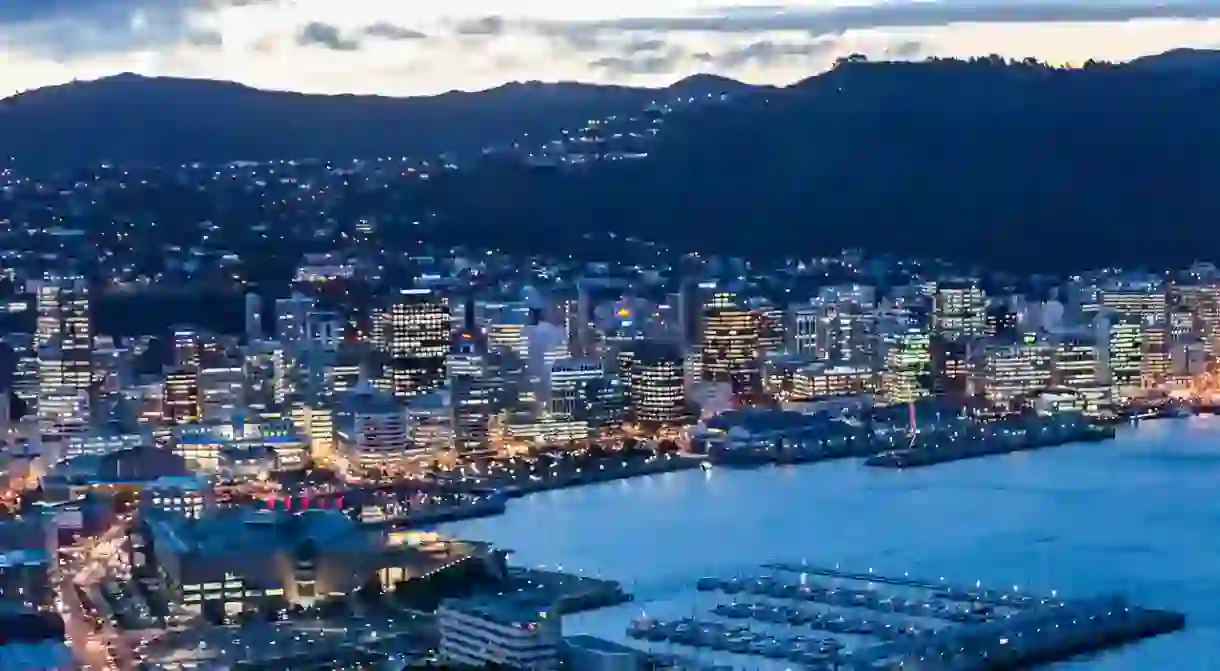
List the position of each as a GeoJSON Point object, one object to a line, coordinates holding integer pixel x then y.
{"type": "Point", "coordinates": [1120, 517]}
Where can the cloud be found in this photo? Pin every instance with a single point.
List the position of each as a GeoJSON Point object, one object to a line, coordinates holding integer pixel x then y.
{"type": "Point", "coordinates": [839, 19]}
{"type": "Point", "coordinates": [318, 34]}
{"type": "Point", "coordinates": [767, 52]}
{"type": "Point", "coordinates": [646, 63]}
{"type": "Point", "coordinates": [389, 31]}
{"type": "Point", "coordinates": [486, 25]}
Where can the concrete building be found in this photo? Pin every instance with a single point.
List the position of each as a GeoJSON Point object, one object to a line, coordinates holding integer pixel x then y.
{"type": "Point", "coordinates": [510, 630]}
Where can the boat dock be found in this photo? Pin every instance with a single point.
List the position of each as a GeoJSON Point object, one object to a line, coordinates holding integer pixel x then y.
{"type": "Point", "coordinates": [832, 620]}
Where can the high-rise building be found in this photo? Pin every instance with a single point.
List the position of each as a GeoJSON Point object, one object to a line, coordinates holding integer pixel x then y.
{"type": "Point", "coordinates": [951, 370]}
{"type": "Point", "coordinates": [1077, 364]}
{"type": "Point", "coordinates": [1001, 323]}
{"type": "Point", "coordinates": [1146, 302]}
{"type": "Point", "coordinates": [1125, 351]}
{"type": "Point", "coordinates": [64, 338]}
{"type": "Point", "coordinates": [958, 310]}
{"type": "Point", "coordinates": [1017, 371]}
{"type": "Point", "coordinates": [181, 396]}
{"type": "Point", "coordinates": [371, 431]}
{"type": "Point", "coordinates": [415, 333]}
{"type": "Point", "coordinates": [658, 385]}
{"type": "Point", "coordinates": [254, 317]}
{"type": "Point", "coordinates": [906, 367]}
{"type": "Point", "coordinates": [1155, 344]}
{"type": "Point", "coordinates": [291, 315]}
{"type": "Point", "coordinates": [187, 344]}
{"type": "Point", "coordinates": [729, 348]}
{"type": "Point", "coordinates": [472, 387]}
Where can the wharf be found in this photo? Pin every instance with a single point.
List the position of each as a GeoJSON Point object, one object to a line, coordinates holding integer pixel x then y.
{"type": "Point", "coordinates": [571, 593]}
{"type": "Point", "coordinates": [829, 619]}
{"type": "Point", "coordinates": [519, 487]}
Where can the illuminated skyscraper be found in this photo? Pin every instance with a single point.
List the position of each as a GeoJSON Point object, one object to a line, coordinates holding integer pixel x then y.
{"type": "Point", "coordinates": [958, 310]}
{"type": "Point", "coordinates": [64, 337]}
{"type": "Point", "coordinates": [905, 373]}
{"type": "Point", "coordinates": [181, 397]}
{"type": "Point", "coordinates": [472, 391]}
{"type": "Point", "coordinates": [729, 348]}
{"type": "Point", "coordinates": [415, 333]}
{"type": "Point", "coordinates": [1013, 372]}
{"type": "Point", "coordinates": [657, 385]}
{"type": "Point", "coordinates": [1124, 343]}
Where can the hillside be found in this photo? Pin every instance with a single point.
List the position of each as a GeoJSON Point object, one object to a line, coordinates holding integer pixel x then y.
{"type": "Point", "coordinates": [133, 119]}
{"type": "Point", "coordinates": [1019, 165]}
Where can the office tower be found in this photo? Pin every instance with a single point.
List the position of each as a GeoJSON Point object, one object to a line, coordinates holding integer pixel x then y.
{"type": "Point", "coordinates": [1001, 323]}
{"type": "Point", "coordinates": [221, 392]}
{"type": "Point", "coordinates": [254, 317]}
{"type": "Point", "coordinates": [181, 396]}
{"type": "Point", "coordinates": [807, 330]}
{"type": "Point", "coordinates": [657, 388]}
{"type": "Point", "coordinates": [1078, 364]}
{"type": "Point", "coordinates": [473, 390]}
{"type": "Point", "coordinates": [906, 365]}
{"type": "Point", "coordinates": [1155, 344]}
{"type": "Point", "coordinates": [64, 337]}
{"type": "Point", "coordinates": [1203, 301]}
{"type": "Point", "coordinates": [950, 367]}
{"type": "Point", "coordinates": [416, 332]}
{"type": "Point", "coordinates": [770, 326]}
{"type": "Point", "coordinates": [290, 320]}
{"type": "Point", "coordinates": [1013, 372]}
{"type": "Point", "coordinates": [729, 348]}
{"type": "Point", "coordinates": [1124, 343]}
{"type": "Point", "coordinates": [371, 431]}
{"type": "Point", "coordinates": [186, 346]}
{"type": "Point", "coordinates": [1145, 302]}
{"type": "Point", "coordinates": [819, 381]}
{"type": "Point", "coordinates": [324, 331]}
{"type": "Point", "coordinates": [958, 309]}
{"type": "Point", "coordinates": [545, 345]}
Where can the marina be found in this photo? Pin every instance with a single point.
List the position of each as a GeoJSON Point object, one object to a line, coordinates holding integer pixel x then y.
{"type": "Point", "coordinates": [826, 620]}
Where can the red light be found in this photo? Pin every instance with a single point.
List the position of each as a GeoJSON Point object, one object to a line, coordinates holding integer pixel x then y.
{"type": "Point", "coordinates": [339, 501]}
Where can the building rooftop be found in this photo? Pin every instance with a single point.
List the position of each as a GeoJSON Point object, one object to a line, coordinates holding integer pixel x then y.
{"type": "Point", "coordinates": [228, 531]}
{"type": "Point", "coordinates": [586, 642]}
{"type": "Point", "coordinates": [510, 610]}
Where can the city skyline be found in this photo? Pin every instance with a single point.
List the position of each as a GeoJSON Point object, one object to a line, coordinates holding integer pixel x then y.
{"type": "Point", "coordinates": [364, 46]}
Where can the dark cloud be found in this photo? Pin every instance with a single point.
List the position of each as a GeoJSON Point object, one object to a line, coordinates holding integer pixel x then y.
{"type": "Point", "coordinates": [900, 14]}
{"type": "Point", "coordinates": [318, 34]}
{"type": "Point", "coordinates": [488, 25]}
{"type": "Point", "coordinates": [905, 50]}
{"type": "Point", "coordinates": [389, 31]}
{"type": "Point", "coordinates": [205, 38]}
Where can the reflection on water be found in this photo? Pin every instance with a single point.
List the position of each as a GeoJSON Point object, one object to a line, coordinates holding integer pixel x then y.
{"type": "Point", "coordinates": [1139, 515]}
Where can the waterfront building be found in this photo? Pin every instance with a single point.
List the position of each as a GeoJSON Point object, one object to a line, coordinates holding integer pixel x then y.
{"type": "Point", "coordinates": [906, 365]}
{"type": "Point", "coordinates": [1124, 342]}
{"type": "Point", "coordinates": [511, 630]}
{"type": "Point", "coordinates": [952, 369]}
{"type": "Point", "coordinates": [658, 385]}
{"type": "Point", "coordinates": [729, 348]}
{"type": "Point", "coordinates": [1077, 364]}
{"type": "Point", "coordinates": [1155, 340]}
{"type": "Point", "coordinates": [820, 381]}
{"type": "Point", "coordinates": [958, 309]}
{"type": "Point", "coordinates": [235, 560]}
{"type": "Point", "coordinates": [1203, 301]}
{"type": "Point", "coordinates": [1012, 373]}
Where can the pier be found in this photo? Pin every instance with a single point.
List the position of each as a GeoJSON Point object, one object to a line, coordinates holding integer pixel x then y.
{"type": "Point", "coordinates": [932, 454]}
{"type": "Point", "coordinates": [834, 620]}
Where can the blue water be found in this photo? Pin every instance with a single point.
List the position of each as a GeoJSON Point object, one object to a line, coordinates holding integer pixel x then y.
{"type": "Point", "coordinates": [1138, 515]}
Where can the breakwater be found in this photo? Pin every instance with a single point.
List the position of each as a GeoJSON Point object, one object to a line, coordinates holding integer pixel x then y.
{"type": "Point", "coordinates": [940, 452]}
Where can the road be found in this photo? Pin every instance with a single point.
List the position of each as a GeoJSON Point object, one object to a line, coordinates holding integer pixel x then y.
{"type": "Point", "coordinates": [85, 565]}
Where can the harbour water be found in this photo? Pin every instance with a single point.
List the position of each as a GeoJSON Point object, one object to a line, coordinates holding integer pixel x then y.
{"type": "Point", "coordinates": [1139, 515]}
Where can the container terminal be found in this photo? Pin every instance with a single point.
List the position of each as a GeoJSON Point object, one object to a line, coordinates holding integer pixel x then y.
{"type": "Point", "coordinates": [789, 616]}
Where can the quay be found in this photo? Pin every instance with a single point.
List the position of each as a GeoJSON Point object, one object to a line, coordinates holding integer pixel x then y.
{"type": "Point", "coordinates": [570, 593]}
{"type": "Point", "coordinates": [834, 620]}
{"type": "Point", "coordinates": [524, 486]}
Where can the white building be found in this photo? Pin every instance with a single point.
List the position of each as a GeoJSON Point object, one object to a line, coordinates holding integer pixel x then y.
{"type": "Point", "coordinates": [500, 630]}
{"type": "Point", "coordinates": [371, 430]}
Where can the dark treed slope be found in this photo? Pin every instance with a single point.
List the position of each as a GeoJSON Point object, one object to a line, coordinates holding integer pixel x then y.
{"type": "Point", "coordinates": [133, 119]}
{"type": "Point", "coordinates": [1019, 165]}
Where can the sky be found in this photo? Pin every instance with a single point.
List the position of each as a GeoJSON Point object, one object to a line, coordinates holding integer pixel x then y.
{"type": "Point", "coordinates": [418, 47]}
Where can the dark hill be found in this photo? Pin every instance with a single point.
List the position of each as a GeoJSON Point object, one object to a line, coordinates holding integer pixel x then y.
{"type": "Point", "coordinates": [1019, 165]}
{"type": "Point", "coordinates": [133, 119]}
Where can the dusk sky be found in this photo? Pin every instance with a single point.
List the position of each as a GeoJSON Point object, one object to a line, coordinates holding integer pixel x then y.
{"type": "Point", "coordinates": [405, 47]}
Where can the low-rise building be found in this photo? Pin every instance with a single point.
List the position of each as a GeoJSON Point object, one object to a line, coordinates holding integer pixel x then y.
{"type": "Point", "coordinates": [512, 630]}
